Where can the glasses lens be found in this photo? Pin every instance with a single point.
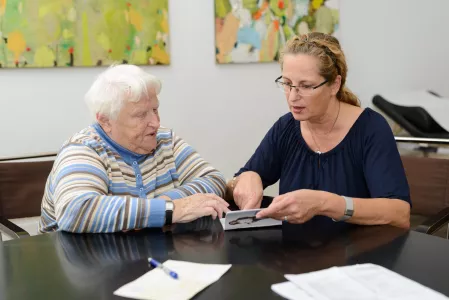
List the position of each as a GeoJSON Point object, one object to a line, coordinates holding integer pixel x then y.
{"type": "Point", "coordinates": [303, 91]}
{"type": "Point", "coordinates": [300, 90]}
{"type": "Point", "coordinates": [284, 88]}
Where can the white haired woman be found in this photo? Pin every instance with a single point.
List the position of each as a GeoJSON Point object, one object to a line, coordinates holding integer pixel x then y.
{"type": "Point", "coordinates": [126, 172]}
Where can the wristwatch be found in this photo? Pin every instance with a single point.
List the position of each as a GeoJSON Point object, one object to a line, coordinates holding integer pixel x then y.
{"type": "Point", "coordinates": [169, 207]}
{"type": "Point", "coordinates": [349, 209]}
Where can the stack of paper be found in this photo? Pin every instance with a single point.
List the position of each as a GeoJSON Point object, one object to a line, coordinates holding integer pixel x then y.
{"type": "Point", "coordinates": [157, 285]}
{"type": "Point", "coordinates": [246, 219]}
{"type": "Point", "coordinates": [365, 281]}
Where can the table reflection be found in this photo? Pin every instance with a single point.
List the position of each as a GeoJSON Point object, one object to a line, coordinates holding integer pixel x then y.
{"type": "Point", "coordinates": [89, 258]}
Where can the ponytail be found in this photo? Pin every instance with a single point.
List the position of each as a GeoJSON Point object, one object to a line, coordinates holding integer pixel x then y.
{"type": "Point", "coordinates": [345, 95]}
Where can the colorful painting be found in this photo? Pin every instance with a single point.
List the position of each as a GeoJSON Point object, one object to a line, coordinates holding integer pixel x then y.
{"type": "Point", "coordinates": [256, 30]}
{"type": "Point", "coordinates": [83, 33]}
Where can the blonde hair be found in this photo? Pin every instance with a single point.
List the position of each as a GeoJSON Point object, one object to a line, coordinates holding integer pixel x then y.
{"type": "Point", "coordinates": [331, 58]}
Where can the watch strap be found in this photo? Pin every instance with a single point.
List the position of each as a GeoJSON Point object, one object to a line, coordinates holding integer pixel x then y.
{"type": "Point", "coordinates": [349, 209]}
{"type": "Point", "coordinates": [169, 207]}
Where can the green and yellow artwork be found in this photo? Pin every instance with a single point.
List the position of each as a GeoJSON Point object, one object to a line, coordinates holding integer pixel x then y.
{"type": "Point", "coordinates": [256, 30]}
{"type": "Point", "coordinates": [83, 33]}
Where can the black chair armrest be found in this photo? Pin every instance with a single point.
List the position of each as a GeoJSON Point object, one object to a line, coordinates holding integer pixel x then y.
{"type": "Point", "coordinates": [11, 229]}
{"type": "Point", "coordinates": [435, 222]}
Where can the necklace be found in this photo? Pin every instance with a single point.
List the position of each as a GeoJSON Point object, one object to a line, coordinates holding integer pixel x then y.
{"type": "Point", "coordinates": [313, 135]}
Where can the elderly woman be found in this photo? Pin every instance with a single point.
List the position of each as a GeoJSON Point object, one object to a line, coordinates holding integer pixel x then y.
{"type": "Point", "coordinates": [337, 163]}
{"type": "Point", "coordinates": [125, 171]}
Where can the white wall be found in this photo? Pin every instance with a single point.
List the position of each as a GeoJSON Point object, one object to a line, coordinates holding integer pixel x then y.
{"type": "Point", "coordinates": [224, 110]}
{"type": "Point", "coordinates": [394, 45]}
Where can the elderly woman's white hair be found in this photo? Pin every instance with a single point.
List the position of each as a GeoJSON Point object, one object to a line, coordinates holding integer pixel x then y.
{"type": "Point", "coordinates": [119, 83]}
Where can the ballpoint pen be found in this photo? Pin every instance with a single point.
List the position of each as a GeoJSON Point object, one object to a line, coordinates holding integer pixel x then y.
{"type": "Point", "coordinates": [154, 263]}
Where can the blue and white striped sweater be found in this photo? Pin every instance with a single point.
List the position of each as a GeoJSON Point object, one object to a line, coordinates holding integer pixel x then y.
{"type": "Point", "coordinates": [98, 186]}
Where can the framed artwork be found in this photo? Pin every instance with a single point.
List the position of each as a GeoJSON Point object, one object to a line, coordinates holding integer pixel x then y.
{"type": "Point", "coordinates": [250, 31]}
{"type": "Point", "coordinates": [83, 33]}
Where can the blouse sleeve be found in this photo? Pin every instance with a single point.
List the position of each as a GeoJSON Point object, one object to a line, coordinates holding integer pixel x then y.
{"type": "Point", "coordinates": [382, 164]}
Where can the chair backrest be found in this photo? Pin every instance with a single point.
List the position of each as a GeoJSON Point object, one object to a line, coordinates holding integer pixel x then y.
{"type": "Point", "coordinates": [415, 120]}
{"type": "Point", "coordinates": [428, 179]}
{"type": "Point", "coordinates": [22, 186]}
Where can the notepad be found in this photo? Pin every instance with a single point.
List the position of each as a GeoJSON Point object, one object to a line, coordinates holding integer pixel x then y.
{"type": "Point", "coordinates": [364, 281]}
{"type": "Point", "coordinates": [156, 285]}
{"type": "Point", "coordinates": [246, 219]}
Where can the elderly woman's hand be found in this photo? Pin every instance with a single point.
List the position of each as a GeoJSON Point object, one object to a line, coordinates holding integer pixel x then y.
{"type": "Point", "coordinates": [248, 191]}
{"type": "Point", "coordinates": [294, 207]}
{"type": "Point", "coordinates": [199, 205]}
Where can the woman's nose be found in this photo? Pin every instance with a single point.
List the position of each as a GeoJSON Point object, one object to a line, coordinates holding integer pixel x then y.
{"type": "Point", "coordinates": [154, 122]}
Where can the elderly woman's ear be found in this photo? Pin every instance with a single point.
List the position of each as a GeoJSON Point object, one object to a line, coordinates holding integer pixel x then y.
{"type": "Point", "coordinates": [104, 122]}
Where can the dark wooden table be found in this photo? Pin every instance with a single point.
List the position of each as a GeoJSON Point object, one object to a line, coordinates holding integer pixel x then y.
{"type": "Point", "coordinates": [92, 266]}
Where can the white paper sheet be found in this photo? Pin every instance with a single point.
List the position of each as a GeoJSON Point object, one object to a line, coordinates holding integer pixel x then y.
{"type": "Point", "coordinates": [157, 285]}
{"type": "Point", "coordinates": [246, 219]}
{"type": "Point", "coordinates": [365, 281]}
{"type": "Point", "coordinates": [290, 291]}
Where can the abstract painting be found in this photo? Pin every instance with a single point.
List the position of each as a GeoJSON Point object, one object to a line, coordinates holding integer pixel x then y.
{"type": "Point", "coordinates": [83, 33]}
{"type": "Point", "coordinates": [256, 30]}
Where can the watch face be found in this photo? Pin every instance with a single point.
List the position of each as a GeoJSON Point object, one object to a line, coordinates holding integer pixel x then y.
{"type": "Point", "coordinates": [169, 205]}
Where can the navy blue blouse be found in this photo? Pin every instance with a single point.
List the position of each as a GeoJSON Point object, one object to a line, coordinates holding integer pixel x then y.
{"type": "Point", "coordinates": [365, 164]}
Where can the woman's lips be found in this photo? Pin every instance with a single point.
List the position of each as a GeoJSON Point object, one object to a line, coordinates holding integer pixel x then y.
{"type": "Point", "coordinates": [298, 109]}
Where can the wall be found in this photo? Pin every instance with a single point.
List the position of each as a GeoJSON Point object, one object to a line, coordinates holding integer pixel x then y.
{"type": "Point", "coordinates": [224, 110]}
{"type": "Point", "coordinates": [394, 45]}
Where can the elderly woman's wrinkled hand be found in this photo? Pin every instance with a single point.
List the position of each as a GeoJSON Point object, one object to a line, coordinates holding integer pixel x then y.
{"type": "Point", "coordinates": [295, 207]}
{"type": "Point", "coordinates": [199, 205]}
{"type": "Point", "coordinates": [248, 192]}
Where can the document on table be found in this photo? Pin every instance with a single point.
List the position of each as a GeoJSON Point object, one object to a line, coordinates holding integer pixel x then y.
{"type": "Point", "coordinates": [364, 281]}
{"type": "Point", "coordinates": [157, 285]}
{"type": "Point", "coordinates": [246, 219]}
{"type": "Point", "coordinates": [290, 291]}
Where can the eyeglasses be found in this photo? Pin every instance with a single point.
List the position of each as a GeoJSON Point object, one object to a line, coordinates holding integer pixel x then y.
{"type": "Point", "coordinates": [302, 89]}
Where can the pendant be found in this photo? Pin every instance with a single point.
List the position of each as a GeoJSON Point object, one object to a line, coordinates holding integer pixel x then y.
{"type": "Point", "coordinates": [318, 152]}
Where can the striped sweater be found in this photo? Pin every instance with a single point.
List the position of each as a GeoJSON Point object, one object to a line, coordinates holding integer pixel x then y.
{"type": "Point", "coordinates": [97, 185]}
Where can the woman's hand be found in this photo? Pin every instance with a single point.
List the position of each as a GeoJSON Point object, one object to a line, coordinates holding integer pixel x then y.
{"type": "Point", "coordinates": [199, 205]}
{"type": "Point", "coordinates": [294, 207]}
{"type": "Point", "coordinates": [248, 191]}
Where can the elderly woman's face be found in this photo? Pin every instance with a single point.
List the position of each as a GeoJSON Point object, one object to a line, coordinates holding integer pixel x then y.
{"type": "Point", "coordinates": [136, 125]}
